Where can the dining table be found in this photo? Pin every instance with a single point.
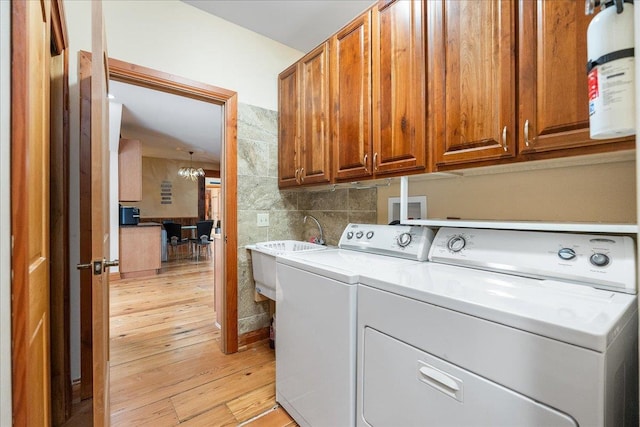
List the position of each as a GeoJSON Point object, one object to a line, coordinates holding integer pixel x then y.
{"type": "Point", "coordinates": [192, 229]}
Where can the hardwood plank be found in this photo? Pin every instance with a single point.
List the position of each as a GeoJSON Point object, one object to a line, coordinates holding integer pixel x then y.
{"type": "Point", "coordinates": [254, 403]}
{"type": "Point", "coordinates": [159, 413]}
{"type": "Point", "coordinates": [276, 418]}
{"type": "Point", "coordinates": [216, 417]}
{"type": "Point", "coordinates": [197, 400]}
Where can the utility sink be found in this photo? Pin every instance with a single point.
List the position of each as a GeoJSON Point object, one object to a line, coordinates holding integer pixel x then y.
{"type": "Point", "coordinates": [263, 258]}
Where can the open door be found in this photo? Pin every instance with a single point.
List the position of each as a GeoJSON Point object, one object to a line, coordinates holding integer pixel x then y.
{"type": "Point", "coordinates": [30, 218]}
{"type": "Point", "coordinates": [94, 147]}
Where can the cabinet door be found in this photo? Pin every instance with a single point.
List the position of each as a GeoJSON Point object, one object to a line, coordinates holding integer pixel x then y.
{"type": "Point", "coordinates": [314, 141]}
{"type": "Point", "coordinates": [473, 71]}
{"type": "Point", "coordinates": [288, 127]}
{"type": "Point", "coordinates": [351, 99]}
{"type": "Point", "coordinates": [130, 170]}
{"type": "Point", "coordinates": [554, 105]}
{"type": "Point", "coordinates": [398, 86]}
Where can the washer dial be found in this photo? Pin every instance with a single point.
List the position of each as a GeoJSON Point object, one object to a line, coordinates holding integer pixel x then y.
{"type": "Point", "coordinates": [567, 254]}
{"type": "Point", "coordinates": [599, 259]}
{"type": "Point", "coordinates": [404, 239]}
{"type": "Point", "coordinates": [456, 243]}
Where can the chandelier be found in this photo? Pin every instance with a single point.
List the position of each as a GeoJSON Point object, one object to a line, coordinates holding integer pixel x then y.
{"type": "Point", "coordinates": [190, 172]}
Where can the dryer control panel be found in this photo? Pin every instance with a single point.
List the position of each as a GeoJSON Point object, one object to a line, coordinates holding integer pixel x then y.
{"type": "Point", "coordinates": [403, 241]}
{"type": "Point", "coordinates": [606, 262]}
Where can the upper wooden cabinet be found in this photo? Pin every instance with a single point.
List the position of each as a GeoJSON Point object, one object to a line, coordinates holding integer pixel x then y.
{"type": "Point", "coordinates": [130, 170]}
{"type": "Point", "coordinates": [554, 106]}
{"type": "Point", "coordinates": [399, 87]}
{"type": "Point", "coordinates": [304, 151]}
{"type": "Point", "coordinates": [288, 99]}
{"type": "Point", "coordinates": [472, 90]}
{"type": "Point", "coordinates": [351, 100]}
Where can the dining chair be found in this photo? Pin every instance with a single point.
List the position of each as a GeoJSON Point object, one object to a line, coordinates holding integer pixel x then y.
{"type": "Point", "coordinates": [203, 231]}
{"type": "Point", "coordinates": [174, 236]}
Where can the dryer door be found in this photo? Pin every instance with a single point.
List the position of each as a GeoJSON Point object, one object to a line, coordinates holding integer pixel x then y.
{"type": "Point", "coordinates": [406, 386]}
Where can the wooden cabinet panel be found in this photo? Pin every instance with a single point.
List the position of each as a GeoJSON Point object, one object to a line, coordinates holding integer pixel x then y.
{"type": "Point", "coordinates": [553, 110]}
{"type": "Point", "coordinates": [399, 86]}
{"type": "Point", "coordinates": [130, 170]}
{"type": "Point", "coordinates": [473, 71]}
{"type": "Point", "coordinates": [351, 100]}
{"type": "Point", "coordinates": [314, 116]}
{"type": "Point", "coordinates": [288, 127]}
{"type": "Point", "coordinates": [140, 250]}
{"type": "Point", "coordinates": [304, 138]}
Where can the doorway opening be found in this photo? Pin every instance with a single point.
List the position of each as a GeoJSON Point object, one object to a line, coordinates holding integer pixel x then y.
{"type": "Point", "coordinates": [154, 79]}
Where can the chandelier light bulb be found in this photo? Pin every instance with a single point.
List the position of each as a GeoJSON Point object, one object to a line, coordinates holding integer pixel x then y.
{"type": "Point", "coordinates": [190, 172]}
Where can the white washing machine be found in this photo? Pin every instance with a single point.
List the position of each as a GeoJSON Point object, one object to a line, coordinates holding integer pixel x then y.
{"type": "Point", "coordinates": [502, 328]}
{"type": "Point", "coordinates": [316, 307]}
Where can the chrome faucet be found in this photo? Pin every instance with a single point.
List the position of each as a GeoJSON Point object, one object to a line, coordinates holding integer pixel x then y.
{"type": "Point", "coordinates": [320, 240]}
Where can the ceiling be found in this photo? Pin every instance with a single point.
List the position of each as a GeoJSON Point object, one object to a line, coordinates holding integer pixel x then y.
{"type": "Point", "coordinates": [170, 126]}
{"type": "Point", "coordinates": [300, 24]}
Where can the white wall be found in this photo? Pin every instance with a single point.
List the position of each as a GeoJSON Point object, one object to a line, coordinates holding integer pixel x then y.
{"type": "Point", "coordinates": [5, 225]}
{"type": "Point", "coordinates": [115, 118]}
{"type": "Point", "coordinates": [170, 36]}
{"type": "Point", "coordinates": [604, 192]}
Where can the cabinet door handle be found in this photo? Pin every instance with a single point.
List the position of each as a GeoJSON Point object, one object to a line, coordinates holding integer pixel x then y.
{"type": "Point", "coordinates": [526, 133]}
{"type": "Point", "coordinates": [375, 161]}
{"type": "Point", "coordinates": [302, 175]}
{"type": "Point", "coordinates": [504, 138]}
{"type": "Point", "coordinates": [364, 160]}
{"type": "Point", "coordinates": [296, 175]}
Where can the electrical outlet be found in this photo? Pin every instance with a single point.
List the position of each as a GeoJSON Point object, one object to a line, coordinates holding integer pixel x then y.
{"type": "Point", "coordinates": [263, 220]}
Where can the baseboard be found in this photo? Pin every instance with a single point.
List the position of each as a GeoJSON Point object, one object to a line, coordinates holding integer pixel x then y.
{"type": "Point", "coordinates": [75, 391]}
{"type": "Point", "coordinates": [114, 276]}
{"type": "Point", "coordinates": [252, 337]}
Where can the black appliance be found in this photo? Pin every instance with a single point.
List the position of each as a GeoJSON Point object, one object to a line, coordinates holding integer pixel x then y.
{"type": "Point", "coordinates": [129, 215]}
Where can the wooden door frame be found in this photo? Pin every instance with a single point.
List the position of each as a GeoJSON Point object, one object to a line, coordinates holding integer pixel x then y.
{"type": "Point", "coordinates": [154, 79]}
{"type": "Point", "coordinates": [61, 396]}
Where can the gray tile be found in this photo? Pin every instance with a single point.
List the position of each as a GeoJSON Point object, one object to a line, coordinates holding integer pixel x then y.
{"type": "Point", "coordinates": [253, 323]}
{"type": "Point", "coordinates": [365, 199]}
{"type": "Point", "coordinates": [248, 230]}
{"type": "Point", "coordinates": [324, 200]}
{"type": "Point", "coordinates": [363, 217]}
{"type": "Point", "coordinates": [261, 193]}
{"type": "Point", "coordinates": [273, 159]}
{"type": "Point", "coordinates": [285, 225]}
{"type": "Point", "coordinates": [257, 123]}
{"type": "Point", "coordinates": [253, 158]}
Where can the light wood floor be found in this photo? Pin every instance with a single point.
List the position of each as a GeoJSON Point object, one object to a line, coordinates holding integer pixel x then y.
{"type": "Point", "coordinates": [166, 365]}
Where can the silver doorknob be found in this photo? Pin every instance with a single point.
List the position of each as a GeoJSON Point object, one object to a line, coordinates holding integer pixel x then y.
{"type": "Point", "coordinates": [113, 263]}
{"type": "Point", "coordinates": [84, 266]}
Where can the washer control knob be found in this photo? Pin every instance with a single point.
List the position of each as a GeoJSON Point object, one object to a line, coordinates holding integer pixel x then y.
{"type": "Point", "coordinates": [359, 234]}
{"type": "Point", "coordinates": [567, 254]}
{"type": "Point", "coordinates": [369, 234]}
{"type": "Point", "coordinates": [404, 239]}
{"type": "Point", "coordinates": [456, 243]}
{"type": "Point", "coordinates": [599, 260]}
{"type": "Point", "coordinates": [350, 235]}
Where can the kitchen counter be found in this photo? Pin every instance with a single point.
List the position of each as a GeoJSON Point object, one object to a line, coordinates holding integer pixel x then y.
{"type": "Point", "coordinates": [142, 224]}
{"type": "Point", "coordinates": [140, 249]}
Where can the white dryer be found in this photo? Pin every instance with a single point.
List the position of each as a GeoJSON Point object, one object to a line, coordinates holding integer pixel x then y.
{"type": "Point", "coordinates": [316, 296]}
{"type": "Point", "coordinates": [502, 328]}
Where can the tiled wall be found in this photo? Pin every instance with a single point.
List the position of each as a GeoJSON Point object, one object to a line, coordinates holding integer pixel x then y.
{"type": "Point", "coordinates": [258, 193]}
